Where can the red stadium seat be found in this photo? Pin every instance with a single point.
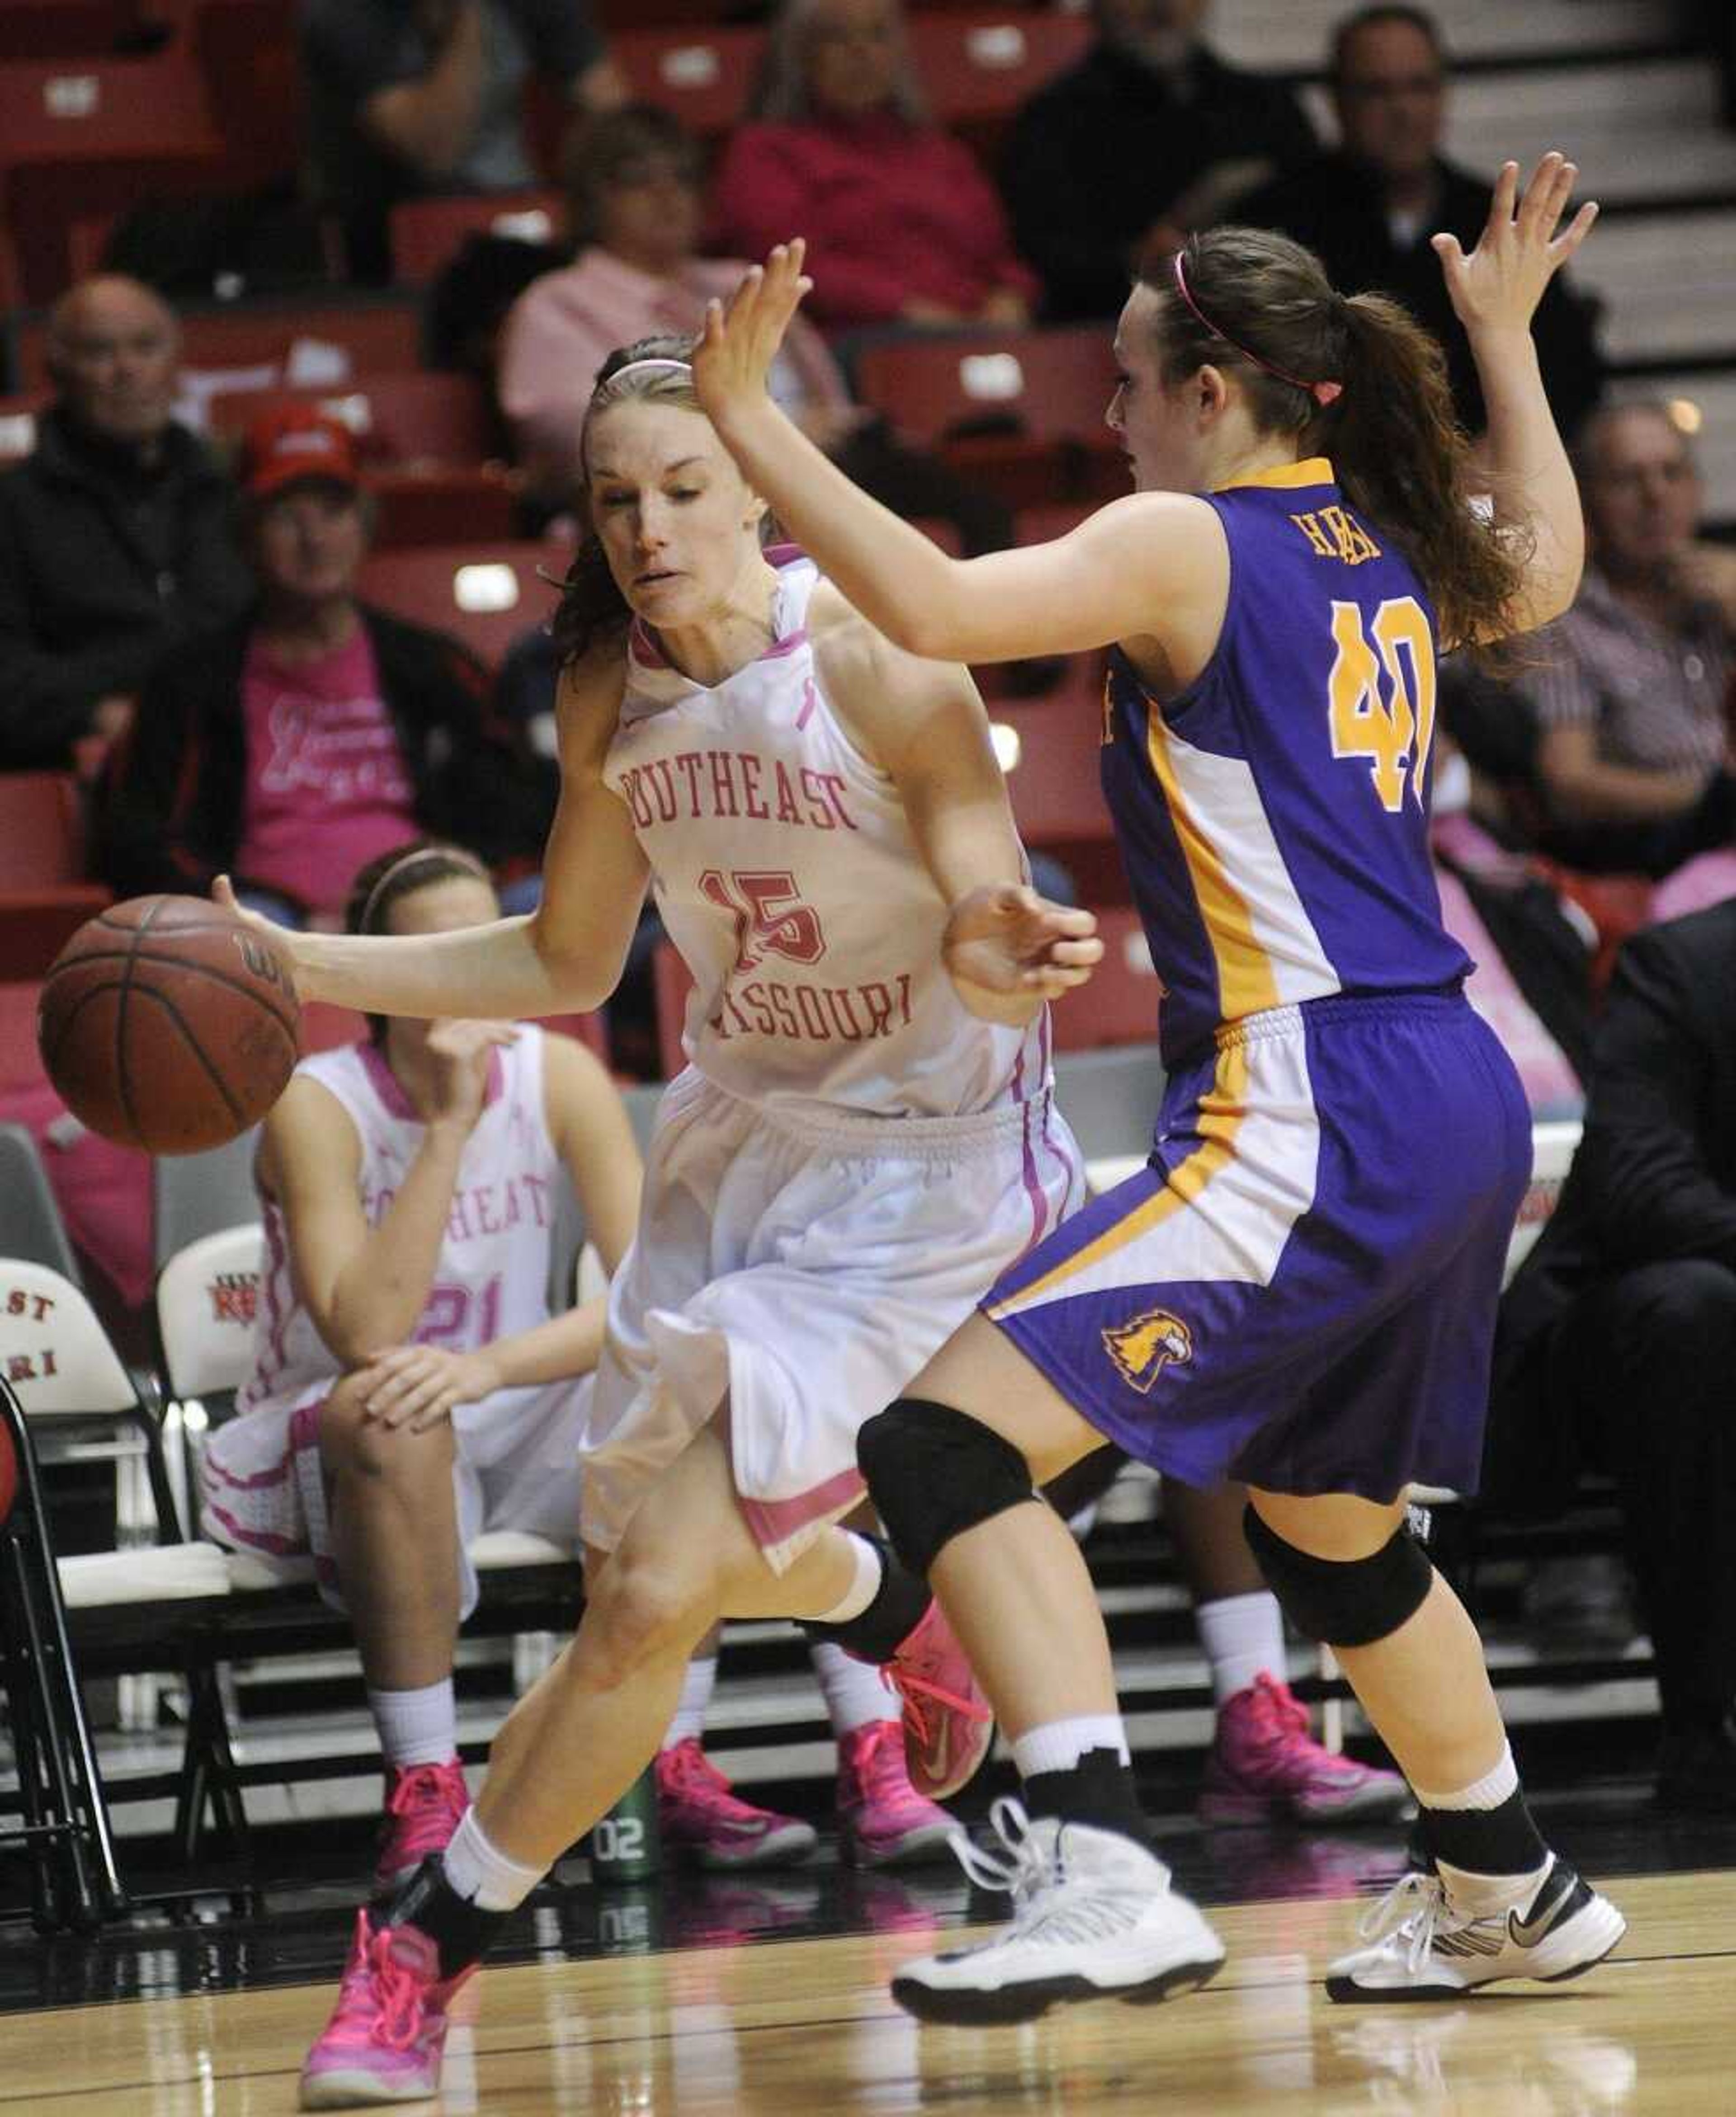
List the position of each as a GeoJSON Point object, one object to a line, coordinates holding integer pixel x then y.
{"type": "Point", "coordinates": [44, 898]}
{"type": "Point", "coordinates": [246, 52]}
{"type": "Point", "coordinates": [374, 336]}
{"type": "Point", "coordinates": [442, 503]}
{"type": "Point", "coordinates": [61, 30]}
{"type": "Point", "coordinates": [396, 418]}
{"type": "Point", "coordinates": [1119, 1005]}
{"type": "Point", "coordinates": [117, 108]}
{"type": "Point", "coordinates": [1048, 749]}
{"type": "Point", "coordinates": [425, 232]}
{"type": "Point", "coordinates": [484, 594]}
{"type": "Point", "coordinates": [978, 68]}
{"type": "Point", "coordinates": [703, 74]}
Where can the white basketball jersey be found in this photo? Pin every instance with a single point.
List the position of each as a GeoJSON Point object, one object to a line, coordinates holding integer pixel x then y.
{"type": "Point", "coordinates": [787, 876]}
{"type": "Point", "coordinates": [492, 1276]}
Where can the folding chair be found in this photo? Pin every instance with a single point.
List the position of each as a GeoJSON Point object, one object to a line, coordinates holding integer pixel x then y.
{"type": "Point", "coordinates": [31, 1226]}
{"type": "Point", "coordinates": [207, 1295]}
{"type": "Point", "coordinates": [198, 1194]}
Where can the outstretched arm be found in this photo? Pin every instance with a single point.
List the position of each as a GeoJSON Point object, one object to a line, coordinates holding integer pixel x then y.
{"type": "Point", "coordinates": [1150, 565]}
{"type": "Point", "coordinates": [1494, 293]}
{"type": "Point", "coordinates": [564, 957]}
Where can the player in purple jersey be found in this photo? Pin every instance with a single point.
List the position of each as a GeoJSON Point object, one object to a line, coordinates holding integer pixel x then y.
{"type": "Point", "coordinates": [1298, 1291]}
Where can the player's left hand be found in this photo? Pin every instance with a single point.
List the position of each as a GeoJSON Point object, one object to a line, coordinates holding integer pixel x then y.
{"type": "Point", "coordinates": [1005, 944]}
{"type": "Point", "coordinates": [1499, 286]}
{"type": "Point", "coordinates": [740, 339]}
{"type": "Point", "coordinates": [415, 1387]}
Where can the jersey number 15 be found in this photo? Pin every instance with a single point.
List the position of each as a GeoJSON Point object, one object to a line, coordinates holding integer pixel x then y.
{"type": "Point", "coordinates": [1392, 728]}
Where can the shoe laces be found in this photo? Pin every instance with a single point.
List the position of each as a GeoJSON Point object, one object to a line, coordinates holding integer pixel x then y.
{"type": "Point", "coordinates": [380, 2000]}
{"type": "Point", "coordinates": [1047, 1906]}
{"type": "Point", "coordinates": [913, 1690]}
{"type": "Point", "coordinates": [685, 1773]}
{"type": "Point", "coordinates": [1278, 1714]}
{"type": "Point", "coordinates": [1411, 1914]}
{"type": "Point", "coordinates": [426, 1786]}
{"type": "Point", "coordinates": [878, 1762]}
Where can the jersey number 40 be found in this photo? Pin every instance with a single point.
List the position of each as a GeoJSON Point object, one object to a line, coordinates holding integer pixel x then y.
{"type": "Point", "coordinates": [1391, 724]}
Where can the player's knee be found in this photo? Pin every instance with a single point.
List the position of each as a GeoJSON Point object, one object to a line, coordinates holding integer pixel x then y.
{"type": "Point", "coordinates": [933, 1473]}
{"type": "Point", "coordinates": [353, 1445]}
{"type": "Point", "coordinates": [1345, 1601]}
{"type": "Point", "coordinates": [640, 1608]}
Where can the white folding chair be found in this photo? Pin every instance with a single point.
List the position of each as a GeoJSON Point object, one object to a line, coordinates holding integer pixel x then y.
{"type": "Point", "coordinates": [206, 1296]}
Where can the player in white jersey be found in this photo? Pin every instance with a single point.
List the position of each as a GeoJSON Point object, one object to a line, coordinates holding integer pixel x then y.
{"type": "Point", "coordinates": [410, 1387]}
{"type": "Point", "coordinates": [864, 1138]}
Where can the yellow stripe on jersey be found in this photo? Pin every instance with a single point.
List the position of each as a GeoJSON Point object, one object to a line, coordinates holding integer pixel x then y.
{"type": "Point", "coordinates": [1221, 1110]}
{"type": "Point", "coordinates": [1246, 978]}
{"type": "Point", "coordinates": [1311, 470]}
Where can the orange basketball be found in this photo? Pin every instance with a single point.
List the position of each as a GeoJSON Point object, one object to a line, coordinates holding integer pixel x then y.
{"type": "Point", "coordinates": [169, 1024]}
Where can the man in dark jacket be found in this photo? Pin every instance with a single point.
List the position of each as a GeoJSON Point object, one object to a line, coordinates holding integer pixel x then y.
{"type": "Point", "coordinates": [1618, 1341]}
{"type": "Point", "coordinates": [1146, 132]}
{"type": "Point", "coordinates": [1369, 207]}
{"type": "Point", "coordinates": [116, 532]}
{"type": "Point", "coordinates": [290, 747]}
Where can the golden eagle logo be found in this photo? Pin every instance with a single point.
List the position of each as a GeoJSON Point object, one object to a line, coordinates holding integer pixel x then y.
{"type": "Point", "coordinates": [1144, 1348]}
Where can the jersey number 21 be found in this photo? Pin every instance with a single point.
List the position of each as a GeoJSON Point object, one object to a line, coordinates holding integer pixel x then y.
{"type": "Point", "coordinates": [1391, 726]}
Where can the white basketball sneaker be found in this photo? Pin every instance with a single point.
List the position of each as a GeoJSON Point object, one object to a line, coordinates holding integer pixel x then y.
{"type": "Point", "coordinates": [1094, 1916]}
{"type": "Point", "coordinates": [1419, 1947]}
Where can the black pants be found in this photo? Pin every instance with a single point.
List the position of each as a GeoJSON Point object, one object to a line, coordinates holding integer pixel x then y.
{"type": "Point", "coordinates": [1648, 1363]}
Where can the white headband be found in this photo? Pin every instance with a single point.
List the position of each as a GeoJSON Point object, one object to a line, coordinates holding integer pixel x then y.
{"type": "Point", "coordinates": [454, 854]}
{"type": "Point", "coordinates": [652, 366]}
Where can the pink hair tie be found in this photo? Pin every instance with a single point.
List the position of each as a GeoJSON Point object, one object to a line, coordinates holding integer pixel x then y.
{"type": "Point", "coordinates": [1323, 393]}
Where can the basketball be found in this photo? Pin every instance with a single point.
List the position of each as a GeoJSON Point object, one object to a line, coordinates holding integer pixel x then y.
{"type": "Point", "coordinates": [167, 1023]}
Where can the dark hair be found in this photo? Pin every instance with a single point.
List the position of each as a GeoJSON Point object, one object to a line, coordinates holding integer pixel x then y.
{"type": "Point", "coordinates": [1398, 451]}
{"type": "Point", "coordinates": [592, 606]}
{"type": "Point", "coordinates": [597, 148]}
{"type": "Point", "coordinates": [1370, 18]}
{"type": "Point", "coordinates": [390, 876]}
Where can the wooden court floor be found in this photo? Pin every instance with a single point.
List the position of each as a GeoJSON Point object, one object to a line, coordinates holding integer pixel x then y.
{"type": "Point", "coordinates": [806, 2029]}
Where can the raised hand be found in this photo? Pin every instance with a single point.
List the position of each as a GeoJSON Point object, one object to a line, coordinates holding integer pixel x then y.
{"type": "Point", "coordinates": [1499, 286]}
{"type": "Point", "coordinates": [1007, 944]}
{"type": "Point", "coordinates": [740, 338]}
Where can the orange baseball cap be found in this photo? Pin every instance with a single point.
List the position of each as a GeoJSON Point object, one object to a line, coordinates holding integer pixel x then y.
{"type": "Point", "coordinates": [294, 443]}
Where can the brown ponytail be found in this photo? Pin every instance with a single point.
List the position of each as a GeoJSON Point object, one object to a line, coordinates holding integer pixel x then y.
{"type": "Point", "coordinates": [1266, 310]}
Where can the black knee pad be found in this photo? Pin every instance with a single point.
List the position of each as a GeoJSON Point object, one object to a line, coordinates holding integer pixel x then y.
{"type": "Point", "coordinates": [1346, 1602]}
{"type": "Point", "coordinates": [933, 1473]}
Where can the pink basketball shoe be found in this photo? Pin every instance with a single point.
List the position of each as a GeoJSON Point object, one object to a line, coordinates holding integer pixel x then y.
{"type": "Point", "coordinates": [947, 1726]}
{"type": "Point", "coordinates": [1265, 1767]}
{"type": "Point", "coordinates": [424, 1805]}
{"type": "Point", "coordinates": [699, 1811]}
{"type": "Point", "coordinates": [883, 1821]}
{"type": "Point", "coordinates": [388, 2031]}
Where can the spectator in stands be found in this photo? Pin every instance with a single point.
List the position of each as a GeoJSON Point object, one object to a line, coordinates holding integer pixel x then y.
{"type": "Point", "coordinates": [902, 225]}
{"type": "Point", "coordinates": [1369, 205]}
{"type": "Point", "coordinates": [1143, 140]}
{"type": "Point", "coordinates": [406, 97]}
{"type": "Point", "coordinates": [1618, 1339]}
{"type": "Point", "coordinates": [115, 535]}
{"type": "Point", "coordinates": [311, 732]}
{"type": "Point", "coordinates": [634, 208]}
{"type": "Point", "coordinates": [1630, 686]}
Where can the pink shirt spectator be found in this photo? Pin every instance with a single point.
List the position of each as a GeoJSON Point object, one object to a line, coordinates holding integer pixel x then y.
{"type": "Point", "coordinates": [565, 324]}
{"type": "Point", "coordinates": [890, 211]}
{"type": "Point", "coordinates": [327, 790]}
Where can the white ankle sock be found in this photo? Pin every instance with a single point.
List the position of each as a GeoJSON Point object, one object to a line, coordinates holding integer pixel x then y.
{"type": "Point", "coordinates": [1243, 1637]}
{"type": "Point", "coordinates": [1500, 1782]}
{"type": "Point", "coordinates": [417, 1727]}
{"type": "Point", "coordinates": [697, 1686]}
{"type": "Point", "coordinates": [1059, 1744]}
{"type": "Point", "coordinates": [862, 1588]}
{"type": "Point", "coordinates": [854, 1694]}
{"type": "Point", "coordinates": [478, 1871]}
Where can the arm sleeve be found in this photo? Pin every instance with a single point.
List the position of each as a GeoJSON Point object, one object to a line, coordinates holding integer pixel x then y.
{"type": "Point", "coordinates": [1645, 1143]}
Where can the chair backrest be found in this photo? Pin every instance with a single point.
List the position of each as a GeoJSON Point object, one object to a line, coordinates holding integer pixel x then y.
{"type": "Point", "coordinates": [979, 66]}
{"type": "Point", "coordinates": [396, 418]}
{"type": "Point", "coordinates": [207, 1295]}
{"type": "Point", "coordinates": [55, 111]}
{"type": "Point", "coordinates": [42, 837]}
{"type": "Point", "coordinates": [31, 1226]}
{"type": "Point", "coordinates": [702, 74]}
{"type": "Point", "coordinates": [1050, 751]}
{"type": "Point", "coordinates": [1554, 1145]}
{"type": "Point", "coordinates": [53, 1352]}
{"type": "Point", "coordinates": [358, 335]}
{"type": "Point", "coordinates": [195, 1195]}
{"type": "Point", "coordinates": [1051, 384]}
{"type": "Point", "coordinates": [487, 594]}
{"type": "Point", "coordinates": [426, 233]}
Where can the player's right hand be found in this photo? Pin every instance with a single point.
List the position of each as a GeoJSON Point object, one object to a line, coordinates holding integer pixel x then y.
{"type": "Point", "coordinates": [459, 1052]}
